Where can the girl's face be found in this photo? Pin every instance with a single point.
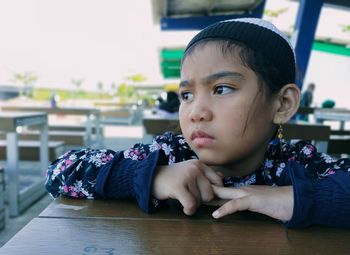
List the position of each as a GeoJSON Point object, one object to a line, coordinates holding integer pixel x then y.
{"type": "Point", "coordinates": [224, 115]}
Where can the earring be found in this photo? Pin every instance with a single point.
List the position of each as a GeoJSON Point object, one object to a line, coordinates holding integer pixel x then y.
{"type": "Point", "coordinates": [280, 132]}
{"type": "Point", "coordinates": [280, 135]}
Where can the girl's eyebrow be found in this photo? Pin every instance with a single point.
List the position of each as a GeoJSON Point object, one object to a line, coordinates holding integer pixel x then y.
{"type": "Point", "coordinates": [184, 83]}
{"type": "Point", "coordinates": [225, 74]}
{"type": "Point", "coordinates": [216, 76]}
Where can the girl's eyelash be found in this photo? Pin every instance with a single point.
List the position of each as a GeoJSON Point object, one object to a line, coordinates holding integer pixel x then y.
{"type": "Point", "coordinates": [223, 87]}
{"type": "Point", "coordinates": [183, 95]}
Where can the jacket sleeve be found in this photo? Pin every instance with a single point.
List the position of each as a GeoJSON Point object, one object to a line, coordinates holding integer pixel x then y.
{"type": "Point", "coordinates": [104, 173]}
{"type": "Point", "coordinates": [321, 187]}
{"type": "Point", "coordinates": [74, 173]}
{"type": "Point", "coordinates": [131, 173]}
{"type": "Point", "coordinates": [123, 178]}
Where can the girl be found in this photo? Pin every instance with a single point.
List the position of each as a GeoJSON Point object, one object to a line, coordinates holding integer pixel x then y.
{"type": "Point", "coordinates": [237, 90]}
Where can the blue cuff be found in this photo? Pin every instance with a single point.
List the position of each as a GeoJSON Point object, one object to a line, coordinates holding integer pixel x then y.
{"type": "Point", "coordinates": [303, 196]}
{"type": "Point", "coordinates": [143, 182]}
{"type": "Point", "coordinates": [127, 178]}
{"type": "Point", "coordinates": [324, 201]}
{"type": "Point", "coordinates": [103, 174]}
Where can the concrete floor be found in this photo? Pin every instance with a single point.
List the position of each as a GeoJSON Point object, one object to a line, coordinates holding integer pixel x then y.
{"type": "Point", "coordinates": [115, 138]}
{"type": "Point", "coordinates": [13, 225]}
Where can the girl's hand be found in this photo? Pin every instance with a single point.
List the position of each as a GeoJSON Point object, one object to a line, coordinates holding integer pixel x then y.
{"type": "Point", "coordinates": [189, 181]}
{"type": "Point", "coordinates": [276, 202]}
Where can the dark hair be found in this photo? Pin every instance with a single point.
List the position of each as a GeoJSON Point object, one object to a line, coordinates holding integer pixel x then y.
{"type": "Point", "coordinates": [172, 102]}
{"type": "Point", "coordinates": [268, 74]}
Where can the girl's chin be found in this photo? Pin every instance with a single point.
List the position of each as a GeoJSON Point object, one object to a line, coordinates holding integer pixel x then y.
{"type": "Point", "coordinates": [210, 160]}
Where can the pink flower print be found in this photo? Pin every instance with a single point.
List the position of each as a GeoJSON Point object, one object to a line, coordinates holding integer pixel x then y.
{"type": "Point", "coordinates": [268, 163]}
{"type": "Point", "coordinates": [65, 154]}
{"type": "Point", "coordinates": [154, 146]}
{"type": "Point", "coordinates": [65, 188]}
{"type": "Point", "coordinates": [331, 171]}
{"type": "Point", "coordinates": [142, 156]}
{"type": "Point", "coordinates": [182, 141]}
{"type": "Point", "coordinates": [292, 158]}
{"type": "Point", "coordinates": [307, 150]}
{"type": "Point", "coordinates": [74, 194]}
{"type": "Point", "coordinates": [68, 162]}
{"type": "Point", "coordinates": [105, 159]}
{"type": "Point", "coordinates": [167, 149]}
{"type": "Point", "coordinates": [171, 159]}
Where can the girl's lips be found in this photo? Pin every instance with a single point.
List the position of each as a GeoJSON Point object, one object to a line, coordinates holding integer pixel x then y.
{"type": "Point", "coordinates": [200, 138]}
{"type": "Point", "coordinates": [200, 134]}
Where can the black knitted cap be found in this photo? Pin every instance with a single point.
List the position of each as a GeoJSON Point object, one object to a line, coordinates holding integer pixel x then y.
{"type": "Point", "coordinates": [259, 35]}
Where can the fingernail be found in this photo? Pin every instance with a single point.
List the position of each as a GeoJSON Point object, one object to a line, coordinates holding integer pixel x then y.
{"type": "Point", "coordinates": [216, 214]}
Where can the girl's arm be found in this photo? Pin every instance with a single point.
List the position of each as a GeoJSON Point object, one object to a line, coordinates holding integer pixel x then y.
{"type": "Point", "coordinates": [311, 189]}
{"type": "Point", "coordinates": [130, 173]}
{"type": "Point", "coordinates": [322, 199]}
{"type": "Point", "coordinates": [90, 173]}
{"type": "Point", "coordinates": [321, 187]}
{"type": "Point", "coordinates": [74, 173]}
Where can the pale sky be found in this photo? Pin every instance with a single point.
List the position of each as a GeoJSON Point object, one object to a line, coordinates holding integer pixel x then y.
{"type": "Point", "coordinates": [97, 40]}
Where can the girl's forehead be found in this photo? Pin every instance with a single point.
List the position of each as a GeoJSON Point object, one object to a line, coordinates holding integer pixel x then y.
{"type": "Point", "coordinates": [213, 51]}
{"type": "Point", "coordinates": [210, 57]}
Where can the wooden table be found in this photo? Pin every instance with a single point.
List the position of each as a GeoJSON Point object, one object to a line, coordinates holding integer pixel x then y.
{"type": "Point", "coordinates": [341, 115]}
{"type": "Point", "coordinates": [10, 122]}
{"type": "Point", "coordinates": [92, 115]}
{"type": "Point", "coordinates": [70, 226]}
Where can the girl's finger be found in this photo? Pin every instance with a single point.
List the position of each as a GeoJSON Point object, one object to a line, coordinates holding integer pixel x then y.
{"type": "Point", "coordinates": [205, 189]}
{"type": "Point", "coordinates": [193, 188]}
{"type": "Point", "coordinates": [188, 201]}
{"type": "Point", "coordinates": [212, 176]}
{"type": "Point", "coordinates": [228, 193]}
{"type": "Point", "coordinates": [230, 207]}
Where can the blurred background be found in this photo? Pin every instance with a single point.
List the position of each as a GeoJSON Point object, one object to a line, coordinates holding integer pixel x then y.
{"type": "Point", "coordinates": [104, 74]}
{"type": "Point", "coordinates": [82, 46]}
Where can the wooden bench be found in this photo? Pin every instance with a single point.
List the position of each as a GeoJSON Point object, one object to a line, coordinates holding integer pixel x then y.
{"type": "Point", "coordinates": [68, 137]}
{"type": "Point", "coordinates": [317, 133]}
{"type": "Point", "coordinates": [291, 131]}
{"type": "Point", "coordinates": [306, 131]}
{"type": "Point", "coordinates": [340, 132]}
{"type": "Point", "coordinates": [159, 126]}
{"type": "Point", "coordinates": [30, 150]}
{"type": "Point", "coordinates": [118, 116]}
{"type": "Point", "coordinates": [71, 128]}
{"type": "Point", "coordinates": [306, 110]}
{"type": "Point", "coordinates": [339, 144]}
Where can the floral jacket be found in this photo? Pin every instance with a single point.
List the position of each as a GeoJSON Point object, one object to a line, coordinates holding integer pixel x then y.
{"type": "Point", "coordinates": [320, 183]}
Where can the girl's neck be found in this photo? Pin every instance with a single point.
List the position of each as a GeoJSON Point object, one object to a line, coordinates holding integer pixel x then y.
{"type": "Point", "coordinates": [245, 167]}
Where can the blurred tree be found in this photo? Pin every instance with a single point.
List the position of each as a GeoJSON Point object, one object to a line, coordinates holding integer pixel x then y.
{"type": "Point", "coordinates": [27, 79]}
{"type": "Point", "coordinates": [100, 86]}
{"type": "Point", "coordinates": [345, 28]}
{"type": "Point", "coordinates": [125, 90]}
{"type": "Point", "coordinates": [113, 90]}
{"type": "Point", "coordinates": [137, 77]}
{"type": "Point", "coordinates": [77, 83]}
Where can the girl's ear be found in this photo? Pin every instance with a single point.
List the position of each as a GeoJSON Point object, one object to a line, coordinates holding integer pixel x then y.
{"type": "Point", "coordinates": [287, 103]}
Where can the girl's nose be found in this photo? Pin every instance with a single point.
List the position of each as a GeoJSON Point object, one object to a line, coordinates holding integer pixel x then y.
{"type": "Point", "coordinates": [200, 111]}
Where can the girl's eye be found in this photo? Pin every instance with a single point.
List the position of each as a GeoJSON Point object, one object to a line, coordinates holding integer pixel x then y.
{"type": "Point", "coordinates": [222, 90]}
{"type": "Point", "coordinates": [186, 96]}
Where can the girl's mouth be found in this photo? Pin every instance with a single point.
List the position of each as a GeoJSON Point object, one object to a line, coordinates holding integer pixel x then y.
{"type": "Point", "coordinates": [201, 139]}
